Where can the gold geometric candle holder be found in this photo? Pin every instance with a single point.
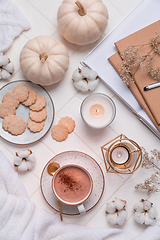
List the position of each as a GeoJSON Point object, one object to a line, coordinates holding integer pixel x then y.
{"type": "Point", "coordinates": [122, 155]}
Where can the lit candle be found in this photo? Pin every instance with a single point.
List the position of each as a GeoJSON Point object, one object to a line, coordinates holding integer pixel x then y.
{"type": "Point", "coordinates": [120, 155]}
{"type": "Point", "coordinates": [98, 110]}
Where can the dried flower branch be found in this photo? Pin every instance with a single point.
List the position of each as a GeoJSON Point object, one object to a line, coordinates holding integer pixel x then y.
{"type": "Point", "coordinates": [151, 184]}
{"type": "Point", "coordinates": [149, 159]}
{"type": "Point", "coordinates": [132, 59]}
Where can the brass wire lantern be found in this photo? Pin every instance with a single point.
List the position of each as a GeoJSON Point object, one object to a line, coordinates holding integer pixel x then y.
{"type": "Point", "coordinates": [121, 155]}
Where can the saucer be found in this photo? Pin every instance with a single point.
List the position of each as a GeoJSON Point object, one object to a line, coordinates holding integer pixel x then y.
{"type": "Point", "coordinates": [83, 160]}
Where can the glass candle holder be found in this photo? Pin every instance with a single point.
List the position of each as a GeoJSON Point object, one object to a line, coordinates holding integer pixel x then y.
{"type": "Point", "coordinates": [98, 110]}
{"type": "Point", "coordinates": [122, 155]}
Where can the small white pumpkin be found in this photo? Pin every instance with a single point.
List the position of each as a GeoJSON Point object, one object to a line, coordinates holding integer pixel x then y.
{"type": "Point", "coordinates": [44, 60]}
{"type": "Point", "coordinates": [82, 22]}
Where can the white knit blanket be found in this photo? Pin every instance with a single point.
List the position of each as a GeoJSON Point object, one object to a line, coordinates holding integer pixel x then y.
{"type": "Point", "coordinates": [21, 220]}
{"type": "Point", "coordinates": [12, 23]}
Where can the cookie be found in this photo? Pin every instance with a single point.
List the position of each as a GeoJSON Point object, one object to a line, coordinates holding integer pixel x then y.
{"type": "Point", "coordinates": [34, 126]}
{"type": "Point", "coordinates": [59, 132]}
{"type": "Point", "coordinates": [21, 91]}
{"type": "Point", "coordinates": [31, 98]}
{"type": "Point", "coordinates": [38, 116]}
{"type": "Point", "coordinates": [12, 98]}
{"type": "Point", "coordinates": [68, 122]}
{"type": "Point", "coordinates": [14, 124]}
{"type": "Point", "coordinates": [7, 109]}
{"type": "Point", "coordinates": [39, 104]}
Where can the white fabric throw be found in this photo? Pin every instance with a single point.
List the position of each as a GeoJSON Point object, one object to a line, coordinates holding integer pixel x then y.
{"type": "Point", "coordinates": [12, 23]}
{"type": "Point", "coordinates": [21, 220]}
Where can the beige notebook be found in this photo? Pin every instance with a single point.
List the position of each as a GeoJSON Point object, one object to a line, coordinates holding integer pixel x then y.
{"type": "Point", "coordinates": [115, 60]}
{"type": "Point", "coordinates": [142, 77]}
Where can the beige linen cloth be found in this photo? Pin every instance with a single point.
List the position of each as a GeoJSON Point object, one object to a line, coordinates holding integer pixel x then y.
{"type": "Point", "coordinates": [21, 220]}
{"type": "Point", "coordinates": [12, 23]}
{"type": "Point", "coordinates": [149, 100]}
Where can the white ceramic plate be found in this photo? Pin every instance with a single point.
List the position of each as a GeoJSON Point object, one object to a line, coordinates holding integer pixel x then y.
{"type": "Point", "coordinates": [23, 112]}
{"type": "Point", "coordinates": [83, 160]}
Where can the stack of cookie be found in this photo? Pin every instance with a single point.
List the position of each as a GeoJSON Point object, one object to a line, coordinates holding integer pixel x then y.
{"type": "Point", "coordinates": [28, 97]}
{"type": "Point", "coordinates": [65, 126]}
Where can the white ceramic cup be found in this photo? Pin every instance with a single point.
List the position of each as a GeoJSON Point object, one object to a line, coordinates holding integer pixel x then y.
{"type": "Point", "coordinates": [72, 185]}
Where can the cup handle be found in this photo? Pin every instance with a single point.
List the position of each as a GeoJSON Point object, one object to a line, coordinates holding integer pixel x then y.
{"type": "Point", "coordinates": [81, 208]}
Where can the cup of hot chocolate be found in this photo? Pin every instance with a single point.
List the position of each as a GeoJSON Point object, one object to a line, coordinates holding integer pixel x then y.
{"type": "Point", "coordinates": [72, 185]}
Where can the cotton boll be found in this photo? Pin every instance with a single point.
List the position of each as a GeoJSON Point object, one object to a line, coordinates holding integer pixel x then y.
{"type": "Point", "coordinates": [17, 160]}
{"type": "Point", "coordinates": [3, 60]}
{"type": "Point", "coordinates": [31, 158]}
{"type": "Point", "coordinates": [139, 217]}
{"type": "Point", "coordinates": [81, 85]}
{"type": "Point", "coordinates": [4, 74]}
{"type": "Point", "coordinates": [9, 67]}
{"type": "Point", "coordinates": [119, 204]}
{"type": "Point", "coordinates": [77, 76]}
{"type": "Point", "coordinates": [30, 165]}
{"type": "Point", "coordinates": [147, 205]}
{"type": "Point", "coordinates": [110, 207]}
{"type": "Point", "coordinates": [93, 84]}
{"type": "Point", "coordinates": [24, 160]}
{"type": "Point", "coordinates": [112, 218]}
{"type": "Point", "coordinates": [148, 220]}
{"type": "Point", "coordinates": [23, 166]}
{"type": "Point", "coordinates": [86, 72]}
{"type": "Point", "coordinates": [153, 213]}
{"type": "Point", "coordinates": [138, 207]}
{"type": "Point", "coordinates": [121, 218]}
{"type": "Point", "coordinates": [24, 153]}
{"type": "Point", "coordinates": [92, 75]}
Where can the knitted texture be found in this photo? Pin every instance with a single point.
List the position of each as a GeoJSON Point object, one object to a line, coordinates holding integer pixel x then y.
{"type": "Point", "coordinates": [12, 23]}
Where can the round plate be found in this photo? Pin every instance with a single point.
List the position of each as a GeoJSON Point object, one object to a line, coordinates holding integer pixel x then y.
{"type": "Point", "coordinates": [23, 112]}
{"type": "Point", "coordinates": [83, 160]}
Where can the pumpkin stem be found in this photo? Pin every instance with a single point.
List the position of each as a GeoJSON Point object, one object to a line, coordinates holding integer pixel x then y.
{"type": "Point", "coordinates": [43, 56]}
{"type": "Point", "coordinates": [81, 9]}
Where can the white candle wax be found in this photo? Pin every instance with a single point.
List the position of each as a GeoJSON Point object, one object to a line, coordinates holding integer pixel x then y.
{"type": "Point", "coordinates": [120, 155]}
{"type": "Point", "coordinates": [98, 110]}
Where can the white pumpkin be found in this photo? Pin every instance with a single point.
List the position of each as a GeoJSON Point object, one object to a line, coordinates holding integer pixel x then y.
{"type": "Point", "coordinates": [44, 60]}
{"type": "Point", "coordinates": [82, 22]}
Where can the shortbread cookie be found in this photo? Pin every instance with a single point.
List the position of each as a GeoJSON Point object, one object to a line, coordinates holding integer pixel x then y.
{"type": "Point", "coordinates": [68, 122]}
{"type": "Point", "coordinates": [21, 91]}
{"type": "Point", "coordinates": [38, 116]}
{"type": "Point", "coordinates": [12, 98]}
{"type": "Point", "coordinates": [14, 124]}
{"type": "Point", "coordinates": [34, 126]}
{"type": "Point", "coordinates": [31, 98]}
{"type": "Point", "coordinates": [59, 132]}
{"type": "Point", "coordinates": [39, 104]}
{"type": "Point", "coordinates": [7, 109]}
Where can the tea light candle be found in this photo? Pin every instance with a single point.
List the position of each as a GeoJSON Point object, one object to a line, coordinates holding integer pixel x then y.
{"type": "Point", "coordinates": [120, 155]}
{"type": "Point", "coordinates": [98, 110]}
